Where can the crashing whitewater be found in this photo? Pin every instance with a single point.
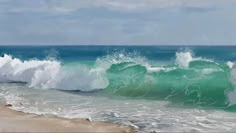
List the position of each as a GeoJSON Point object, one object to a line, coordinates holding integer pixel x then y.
{"type": "Point", "coordinates": [192, 80]}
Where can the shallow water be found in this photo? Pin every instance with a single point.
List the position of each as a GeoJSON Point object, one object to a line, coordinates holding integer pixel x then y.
{"type": "Point", "coordinates": [145, 115]}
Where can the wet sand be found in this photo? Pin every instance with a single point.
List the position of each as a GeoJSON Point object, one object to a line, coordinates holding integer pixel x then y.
{"type": "Point", "coordinates": [14, 121]}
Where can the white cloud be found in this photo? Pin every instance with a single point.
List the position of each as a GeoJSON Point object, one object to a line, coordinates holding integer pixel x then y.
{"type": "Point", "coordinates": [65, 6]}
{"type": "Point", "coordinates": [134, 4]}
{"type": "Point", "coordinates": [117, 22]}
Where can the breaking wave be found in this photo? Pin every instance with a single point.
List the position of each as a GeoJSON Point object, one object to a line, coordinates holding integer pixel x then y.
{"type": "Point", "coordinates": [189, 79]}
{"type": "Point", "coordinates": [49, 74]}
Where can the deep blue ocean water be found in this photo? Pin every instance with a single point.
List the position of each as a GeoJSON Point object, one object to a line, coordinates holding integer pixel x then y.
{"type": "Point", "coordinates": [77, 53]}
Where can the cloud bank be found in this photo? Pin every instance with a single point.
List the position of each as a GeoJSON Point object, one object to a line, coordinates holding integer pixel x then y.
{"type": "Point", "coordinates": [117, 22]}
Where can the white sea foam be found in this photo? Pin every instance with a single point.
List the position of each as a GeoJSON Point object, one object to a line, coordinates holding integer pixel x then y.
{"type": "Point", "coordinates": [230, 64]}
{"type": "Point", "coordinates": [183, 59]}
{"type": "Point", "coordinates": [34, 72]}
{"type": "Point", "coordinates": [48, 74]}
{"type": "Point", "coordinates": [151, 69]}
{"type": "Point", "coordinates": [117, 58]}
{"type": "Point", "coordinates": [82, 78]}
{"type": "Point", "coordinates": [232, 94]}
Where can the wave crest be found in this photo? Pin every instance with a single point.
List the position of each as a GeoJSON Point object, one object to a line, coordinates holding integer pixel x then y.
{"type": "Point", "coordinates": [46, 74]}
{"type": "Point", "coordinates": [34, 72]}
{"type": "Point", "coordinates": [199, 80]}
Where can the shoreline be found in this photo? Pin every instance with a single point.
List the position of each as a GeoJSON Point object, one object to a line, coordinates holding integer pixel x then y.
{"type": "Point", "coordinates": [16, 121]}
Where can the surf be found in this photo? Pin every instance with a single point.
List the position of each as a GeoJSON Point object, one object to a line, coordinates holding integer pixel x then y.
{"type": "Point", "coordinates": [189, 79]}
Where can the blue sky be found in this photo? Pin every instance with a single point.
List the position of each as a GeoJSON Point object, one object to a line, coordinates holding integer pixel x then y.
{"type": "Point", "coordinates": [117, 22]}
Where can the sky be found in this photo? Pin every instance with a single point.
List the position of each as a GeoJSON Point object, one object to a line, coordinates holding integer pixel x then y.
{"type": "Point", "coordinates": [117, 22]}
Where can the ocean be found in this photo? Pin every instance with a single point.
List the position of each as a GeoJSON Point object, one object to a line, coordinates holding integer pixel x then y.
{"type": "Point", "coordinates": [151, 88]}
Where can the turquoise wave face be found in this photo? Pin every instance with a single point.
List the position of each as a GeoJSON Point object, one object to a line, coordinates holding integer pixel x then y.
{"type": "Point", "coordinates": [202, 83]}
{"type": "Point", "coordinates": [155, 72]}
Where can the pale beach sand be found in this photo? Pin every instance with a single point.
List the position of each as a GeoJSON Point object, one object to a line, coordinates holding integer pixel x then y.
{"type": "Point", "coordinates": [14, 121]}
